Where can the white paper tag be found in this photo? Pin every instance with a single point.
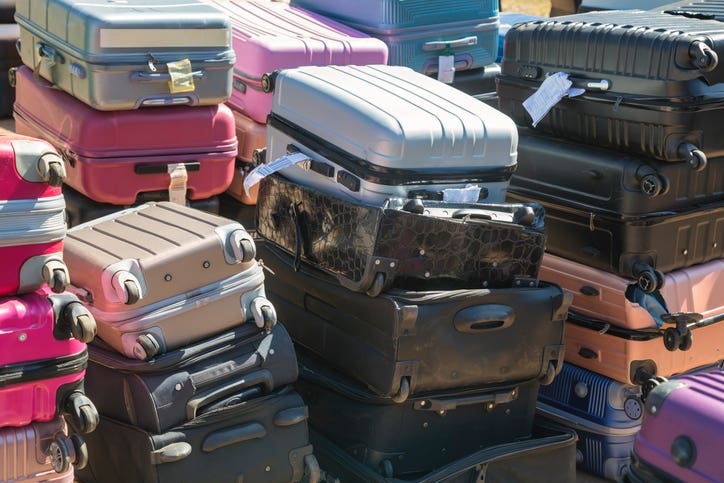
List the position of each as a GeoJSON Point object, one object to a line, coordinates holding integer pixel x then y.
{"type": "Point", "coordinates": [446, 68]}
{"type": "Point", "coordinates": [550, 92]}
{"type": "Point", "coordinates": [264, 170]}
{"type": "Point", "coordinates": [177, 185]}
{"type": "Point", "coordinates": [469, 194]}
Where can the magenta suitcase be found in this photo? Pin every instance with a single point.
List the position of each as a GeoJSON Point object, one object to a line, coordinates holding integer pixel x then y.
{"type": "Point", "coordinates": [32, 226]}
{"type": "Point", "coordinates": [681, 433]}
{"type": "Point", "coordinates": [43, 359]}
{"type": "Point", "coordinates": [271, 36]}
{"type": "Point", "coordinates": [112, 156]}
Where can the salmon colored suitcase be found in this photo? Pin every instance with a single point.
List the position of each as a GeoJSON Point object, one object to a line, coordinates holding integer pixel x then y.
{"type": "Point", "coordinates": [160, 276]}
{"type": "Point", "coordinates": [112, 157]}
{"type": "Point", "coordinates": [43, 360]}
{"type": "Point", "coordinates": [32, 227]}
{"type": "Point", "coordinates": [252, 138]}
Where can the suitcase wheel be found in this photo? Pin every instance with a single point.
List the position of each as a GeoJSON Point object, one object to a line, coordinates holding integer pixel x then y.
{"type": "Point", "coordinates": [686, 341]}
{"type": "Point", "coordinates": [649, 385]}
{"type": "Point", "coordinates": [652, 185]}
{"type": "Point", "coordinates": [404, 391]}
{"type": "Point", "coordinates": [268, 81]}
{"type": "Point", "coordinates": [694, 156]}
{"type": "Point", "coordinates": [242, 246]}
{"type": "Point", "coordinates": [82, 413]}
{"type": "Point", "coordinates": [51, 169]}
{"type": "Point", "coordinates": [133, 292]}
{"type": "Point", "coordinates": [265, 317]}
{"type": "Point", "coordinates": [377, 284]}
{"type": "Point", "coordinates": [547, 378]}
{"type": "Point", "coordinates": [145, 347]}
{"type": "Point", "coordinates": [386, 468]}
{"type": "Point", "coordinates": [702, 56]}
{"type": "Point", "coordinates": [56, 174]}
{"type": "Point", "coordinates": [80, 321]}
{"type": "Point", "coordinates": [672, 339]}
{"type": "Point", "coordinates": [648, 280]}
{"type": "Point", "coordinates": [61, 453]}
{"type": "Point", "coordinates": [55, 274]}
{"type": "Point", "coordinates": [258, 156]}
{"type": "Point", "coordinates": [81, 452]}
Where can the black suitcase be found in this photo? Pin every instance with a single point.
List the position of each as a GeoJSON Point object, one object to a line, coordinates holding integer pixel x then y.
{"type": "Point", "coordinates": [608, 181]}
{"type": "Point", "coordinates": [652, 80]}
{"type": "Point", "coordinates": [403, 343]}
{"type": "Point", "coordinates": [703, 9]}
{"type": "Point", "coordinates": [7, 11]}
{"type": "Point", "coordinates": [9, 57]}
{"type": "Point", "coordinates": [642, 248]}
{"type": "Point", "coordinates": [163, 392]}
{"type": "Point", "coordinates": [262, 440]}
{"type": "Point", "coordinates": [477, 81]}
{"type": "Point", "coordinates": [411, 244]}
{"type": "Point", "coordinates": [423, 433]}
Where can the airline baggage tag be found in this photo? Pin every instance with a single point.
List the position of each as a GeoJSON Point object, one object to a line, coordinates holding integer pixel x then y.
{"type": "Point", "coordinates": [177, 185]}
{"type": "Point", "coordinates": [182, 78]}
{"type": "Point", "coordinates": [446, 68]}
{"type": "Point", "coordinates": [264, 170]}
{"type": "Point", "coordinates": [554, 88]}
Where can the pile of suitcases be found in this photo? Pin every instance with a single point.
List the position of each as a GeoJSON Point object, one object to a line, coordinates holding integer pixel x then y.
{"type": "Point", "coordinates": [631, 176]}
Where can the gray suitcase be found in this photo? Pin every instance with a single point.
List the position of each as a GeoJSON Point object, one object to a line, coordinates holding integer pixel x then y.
{"type": "Point", "coordinates": [116, 55]}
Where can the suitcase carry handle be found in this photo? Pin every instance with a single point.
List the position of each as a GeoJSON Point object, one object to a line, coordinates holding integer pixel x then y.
{"type": "Point", "coordinates": [163, 76]}
{"type": "Point", "coordinates": [170, 453]}
{"type": "Point", "coordinates": [481, 318]}
{"type": "Point", "coordinates": [231, 436]}
{"type": "Point", "coordinates": [438, 45]}
{"type": "Point", "coordinates": [598, 85]}
{"type": "Point", "coordinates": [258, 378]}
{"type": "Point", "coordinates": [162, 168]}
{"type": "Point", "coordinates": [489, 400]}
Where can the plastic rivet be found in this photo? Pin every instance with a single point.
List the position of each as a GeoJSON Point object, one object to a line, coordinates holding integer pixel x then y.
{"type": "Point", "coordinates": [491, 405]}
{"type": "Point", "coordinates": [425, 425]}
{"type": "Point", "coordinates": [178, 387]}
{"type": "Point", "coordinates": [495, 264]}
{"type": "Point", "coordinates": [267, 469]}
{"type": "Point", "coordinates": [654, 409]}
{"type": "Point", "coordinates": [167, 277]}
{"type": "Point", "coordinates": [485, 283]}
{"type": "Point", "coordinates": [22, 337]}
{"type": "Point", "coordinates": [422, 252]}
{"type": "Point", "coordinates": [441, 412]}
{"type": "Point", "coordinates": [427, 274]}
{"type": "Point", "coordinates": [206, 264]}
{"type": "Point", "coordinates": [715, 245]}
{"type": "Point", "coordinates": [392, 264]}
{"type": "Point", "coordinates": [271, 352]}
{"type": "Point", "coordinates": [423, 404]}
{"type": "Point", "coordinates": [685, 252]}
{"type": "Point", "coordinates": [377, 262]}
{"type": "Point", "coordinates": [507, 412]}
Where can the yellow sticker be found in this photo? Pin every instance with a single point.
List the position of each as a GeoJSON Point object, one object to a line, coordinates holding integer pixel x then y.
{"type": "Point", "coordinates": [182, 78]}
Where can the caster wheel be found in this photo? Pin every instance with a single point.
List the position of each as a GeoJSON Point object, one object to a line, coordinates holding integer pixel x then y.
{"type": "Point", "coordinates": [686, 341]}
{"type": "Point", "coordinates": [548, 377]}
{"type": "Point", "coordinates": [649, 385]}
{"type": "Point", "coordinates": [81, 452]}
{"type": "Point", "coordinates": [60, 454]}
{"type": "Point", "coordinates": [58, 281]}
{"type": "Point", "coordinates": [404, 391]}
{"type": "Point", "coordinates": [56, 174]}
{"type": "Point", "coordinates": [703, 57]}
{"type": "Point", "coordinates": [133, 293]}
{"type": "Point", "coordinates": [386, 469]}
{"type": "Point", "coordinates": [81, 322]}
{"type": "Point", "coordinates": [268, 81]}
{"type": "Point", "coordinates": [647, 280]}
{"type": "Point", "coordinates": [376, 287]}
{"type": "Point", "coordinates": [697, 160]}
{"type": "Point", "coordinates": [651, 185]}
{"type": "Point", "coordinates": [672, 339]}
{"type": "Point", "coordinates": [146, 347]}
{"type": "Point", "coordinates": [270, 318]}
{"type": "Point", "coordinates": [248, 250]}
{"type": "Point", "coordinates": [660, 279]}
{"type": "Point", "coordinates": [82, 413]}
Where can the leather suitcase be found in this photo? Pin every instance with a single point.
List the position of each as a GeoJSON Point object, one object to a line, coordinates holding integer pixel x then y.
{"type": "Point", "coordinates": [252, 139]}
{"type": "Point", "coordinates": [135, 53]}
{"type": "Point", "coordinates": [418, 32]}
{"type": "Point", "coordinates": [682, 424]}
{"type": "Point", "coordinates": [641, 248]}
{"type": "Point", "coordinates": [113, 157]}
{"type": "Point", "coordinates": [262, 440]}
{"type": "Point", "coordinates": [605, 414]}
{"type": "Point", "coordinates": [172, 388]}
{"type": "Point", "coordinates": [160, 276]}
{"type": "Point", "coordinates": [414, 245]}
{"type": "Point", "coordinates": [620, 302]}
{"type": "Point", "coordinates": [32, 227]}
{"type": "Point", "coordinates": [40, 453]}
{"type": "Point", "coordinates": [268, 37]}
{"type": "Point", "coordinates": [414, 136]}
{"type": "Point", "coordinates": [480, 337]}
{"type": "Point", "coordinates": [9, 57]}
{"type": "Point", "coordinates": [43, 360]}
{"type": "Point", "coordinates": [608, 181]}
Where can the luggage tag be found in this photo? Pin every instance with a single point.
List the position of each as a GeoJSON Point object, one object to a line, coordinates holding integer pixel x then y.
{"type": "Point", "coordinates": [554, 88]}
{"type": "Point", "coordinates": [264, 170]}
{"type": "Point", "coordinates": [446, 66]}
{"type": "Point", "coordinates": [182, 78]}
{"type": "Point", "coordinates": [177, 185]}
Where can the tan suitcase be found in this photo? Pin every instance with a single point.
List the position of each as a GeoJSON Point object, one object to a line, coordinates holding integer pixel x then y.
{"type": "Point", "coordinates": [160, 276]}
{"type": "Point", "coordinates": [252, 137]}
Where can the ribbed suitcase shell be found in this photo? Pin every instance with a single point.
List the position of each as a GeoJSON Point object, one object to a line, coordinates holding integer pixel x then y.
{"type": "Point", "coordinates": [411, 132]}
{"type": "Point", "coordinates": [251, 136]}
{"type": "Point", "coordinates": [112, 157]}
{"type": "Point", "coordinates": [708, 9]}
{"type": "Point", "coordinates": [9, 57]}
{"type": "Point", "coordinates": [272, 36]}
{"type": "Point", "coordinates": [113, 56]}
{"type": "Point", "coordinates": [682, 425]}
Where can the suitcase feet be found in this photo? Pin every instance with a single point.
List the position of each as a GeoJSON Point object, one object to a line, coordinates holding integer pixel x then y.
{"type": "Point", "coordinates": [82, 413]}
{"type": "Point", "coordinates": [79, 321]}
{"type": "Point", "coordinates": [65, 451]}
{"type": "Point", "coordinates": [404, 391]}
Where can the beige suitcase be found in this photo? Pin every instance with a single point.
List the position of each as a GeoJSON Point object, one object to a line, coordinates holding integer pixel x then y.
{"type": "Point", "coordinates": [160, 276]}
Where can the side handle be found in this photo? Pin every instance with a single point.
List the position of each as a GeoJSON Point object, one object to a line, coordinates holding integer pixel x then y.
{"type": "Point", "coordinates": [163, 76]}
{"type": "Point", "coordinates": [488, 400]}
{"type": "Point", "coordinates": [160, 168]}
{"type": "Point", "coordinates": [482, 318]}
{"type": "Point", "coordinates": [231, 436]}
{"type": "Point", "coordinates": [259, 378]}
{"type": "Point", "coordinates": [437, 45]}
{"type": "Point", "coordinates": [170, 453]}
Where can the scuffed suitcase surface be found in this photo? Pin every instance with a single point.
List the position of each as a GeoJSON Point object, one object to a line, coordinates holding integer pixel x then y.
{"type": "Point", "coordinates": [356, 241]}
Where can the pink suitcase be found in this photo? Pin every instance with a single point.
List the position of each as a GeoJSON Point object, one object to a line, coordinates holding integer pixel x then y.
{"type": "Point", "coordinates": [681, 432]}
{"type": "Point", "coordinates": [43, 359]}
{"type": "Point", "coordinates": [602, 295]}
{"type": "Point", "coordinates": [252, 139]}
{"type": "Point", "coordinates": [40, 452]}
{"type": "Point", "coordinates": [32, 226]}
{"type": "Point", "coordinates": [112, 156]}
{"type": "Point", "coordinates": [271, 36]}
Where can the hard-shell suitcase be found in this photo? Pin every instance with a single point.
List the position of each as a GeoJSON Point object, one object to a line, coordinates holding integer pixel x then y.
{"type": "Point", "coordinates": [262, 440]}
{"type": "Point", "coordinates": [40, 453]}
{"type": "Point", "coordinates": [597, 5]}
{"type": "Point", "coordinates": [608, 181]}
{"type": "Point", "coordinates": [618, 301]}
{"type": "Point", "coordinates": [477, 81]}
{"type": "Point", "coordinates": [268, 37]}
{"type": "Point", "coordinates": [680, 431]}
{"type": "Point", "coordinates": [9, 57]}
{"type": "Point", "coordinates": [43, 360]}
{"type": "Point", "coordinates": [167, 390]}
{"type": "Point", "coordinates": [705, 9]}
{"type": "Point", "coordinates": [131, 54]}
{"type": "Point", "coordinates": [32, 227]}
{"type": "Point", "coordinates": [112, 157]}
{"type": "Point", "coordinates": [418, 32]}
{"type": "Point", "coordinates": [633, 357]}
{"type": "Point", "coordinates": [401, 243]}
{"type": "Point", "coordinates": [480, 337]}
{"type": "Point", "coordinates": [642, 248]}
{"type": "Point", "coordinates": [251, 136]}
{"type": "Point", "coordinates": [413, 136]}
{"type": "Point", "coordinates": [652, 81]}
{"type": "Point", "coordinates": [160, 276]}
{"type": "Point", "coordinates": [421, 434]}
{"type": "Point", "coordinates": [605, 414]}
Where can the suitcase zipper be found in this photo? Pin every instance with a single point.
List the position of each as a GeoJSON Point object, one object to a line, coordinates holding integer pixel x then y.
{"type": "Point", "coordinates": [23, 372]}
{"type": "Point", "coordinates": [32, 221]}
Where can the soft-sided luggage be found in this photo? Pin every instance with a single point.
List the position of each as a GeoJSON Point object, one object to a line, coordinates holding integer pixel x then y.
{"type": "Point", "coordinates": [418, 32]}
{"type": "Point", "coordinates": [112, 157]}
{"type": "Point", "coordinates": [620, 302]}
{"type": "Point", "coordinates": [605, 414]}
{"type": "Point", "coordinates": [402, 243]}
{"type": "Point", "coordinates": [135, 53]}
{"type": "Point", "coordinates": [654, 87]}
{"type": "Point", "coordinates": [682, 424]}
{"type": "Point", "coordinates": [642, 248]}
{"type": "Point", "coordinates": [261, 440]}
{"type": "Point", "coordinates": [413, 136]}
{"type": "Point", "coordinates": [634, 356]}
{"type": "Point", "coordinates": [173, 387]}
{"type": "Point", "coordinates": [421, 434]}
{"type": "Point", "coordinates": [40, 453]}
{"type": "Point", "coordinates": [480, 337]}
{"type": "Point", "coordinates": [608, 181]}
{"type": "Point", "coordinates": [32, 227]}
{"type": "Point", "coordinates": [9, 58]}
{"type": "Point", "coordinates": [251, 136]}
{"type": "Point", "coordinates": [43, 360]}
{"type": "Point", "coordinates": [268, 37]}
{"type": "Point", "coordinates": [160, 276]}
